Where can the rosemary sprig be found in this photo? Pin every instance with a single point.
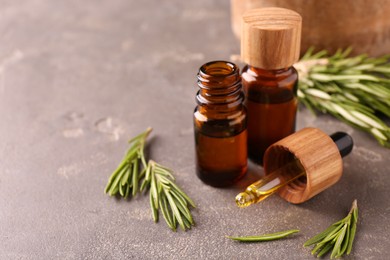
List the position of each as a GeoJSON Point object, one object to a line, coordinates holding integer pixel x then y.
{"type": "Point", "coordinates": [265, 237]}
{"type": "Point", "coordinates": [352, 89]}
{"type": "Point", "coordinates": [165, 195]}
{"type": "Point", "coordinates": [126, 177]}
{"type": "Point", "coordinates": [339, 236]}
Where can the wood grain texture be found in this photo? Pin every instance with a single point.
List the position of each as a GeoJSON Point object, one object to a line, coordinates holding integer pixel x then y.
{"type": "Point", "coordinates": [271, 37]}
{"type": "Point", "coordinates": [319, 156]}
{"type": "Point", "coordinates": [330, 24]}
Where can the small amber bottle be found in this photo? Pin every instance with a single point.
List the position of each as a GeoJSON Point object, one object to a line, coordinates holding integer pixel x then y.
{"type": "Point", "coordinates": [270, 45]}
{"type": "Point", "coordinates": [220, 125]}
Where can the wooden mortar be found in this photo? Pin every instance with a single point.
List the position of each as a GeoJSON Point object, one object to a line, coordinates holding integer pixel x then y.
{"type": "Point", "coordinates": [332, 24]}
{"type": "Point", "coordinates": [318, 155]}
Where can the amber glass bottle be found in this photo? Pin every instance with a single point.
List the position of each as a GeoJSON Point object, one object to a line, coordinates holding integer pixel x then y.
{"type": "Point", "coordinates": [220, 125]}
{"type": "Point", "coordinates": [270, 46]}
{"type": "Point", "coordinates": [271, 104]}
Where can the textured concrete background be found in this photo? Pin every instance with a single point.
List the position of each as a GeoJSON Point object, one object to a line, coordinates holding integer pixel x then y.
{"type": "Point", "coordinates": [78, 78]}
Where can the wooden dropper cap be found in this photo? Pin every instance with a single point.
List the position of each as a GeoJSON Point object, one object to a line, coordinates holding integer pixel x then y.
{"type": "Point", "coordinates": [271, 38]}
{"type": "Point", "coordinates": [320, 156]}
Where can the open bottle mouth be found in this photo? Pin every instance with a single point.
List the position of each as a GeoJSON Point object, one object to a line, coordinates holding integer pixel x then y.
{"type": "Point", "coordinates": [219, 75]}
{"type": "Point", "coordinates": [218, 69]}
{"type": "Point", "coordinates": [220, 85]}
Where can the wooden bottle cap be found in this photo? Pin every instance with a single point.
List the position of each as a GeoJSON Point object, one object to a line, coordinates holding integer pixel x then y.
{"type": "Point", "coordinates": [271, 37]}
{"type": "Point", "coordinates": [319, 156]}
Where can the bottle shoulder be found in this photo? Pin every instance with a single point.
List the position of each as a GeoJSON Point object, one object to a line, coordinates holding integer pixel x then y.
{"type": "Point", "coordinates": [270, 86]}
{"type": "Point", "coordinates": [203, 114]}
{"type": "Point", "coordinates": [278, 78]}
{"type": "Point", "coordinates": [220, 124]}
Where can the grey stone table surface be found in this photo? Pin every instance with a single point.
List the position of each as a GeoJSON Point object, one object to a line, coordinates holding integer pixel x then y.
{"type": "Point", "coordinates": [78, 78]}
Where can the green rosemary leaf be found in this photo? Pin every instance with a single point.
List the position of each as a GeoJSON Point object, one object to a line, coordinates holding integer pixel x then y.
{"type": "Point", "coordinates": [354, 106]}
{"type": "Point", "coordinates": [182, 208]}
{"type": "Point", "coordinates": [166, 212]}
{"type": "Point", "coordinates": [114, 190]}
{"type": "Point", "coordinates": [308, 53]}
{"type": "Point", "coordinates": [114, 175]}
{"type": "Point", "coordinates": [339, 240]}
{"type": "Point", "coordinates": [146, 181]}
{"type": "Point", "coordinates": [141, 175]}
{"type": "Point", "coordinates": [362, 67]}
{"type": "Point", "coordinates": [141, 155]}
{"type": "Point", "coordinates": [345, 53]}
{"type": "Point", "coordinates": [121, 190]}
{"type": "Point", "coordinates": [164, 172]}
{"type": "Point", "coordinates": [353, 78]}
{"type": "Point", "coordinates": [344, 245]}
{"type": "Point", "coordinates": [266, 237]}
{"type": "Point", "coordinates": [318, 93]}
{"type": "Point", "coordinates": [351, 238]}
{"type": "Point", "coordinates": [179, 196]}
{"type": "Point", "coordinates": [127, 192]}
{"type": "Point", "coordinates": [187, 223]}
{"type": "Point", "coordinates": [175, 210]}
{"type": "Point", "coordinates": [353, 226]}
{"type": "Point", "coordinates": [153, 207]}
{"type": "Point", "coordinates": [368, 88]}
{"type": "Point", "coordinates": [164, 179]}
{"type": "Point", "coordinates": [319, 55]}
{"type": "Point", "coordinates": [355, 215]}
{"type": "Point", "coordinates": [384, 70]}
{"type": "Point", "coordinates": [182, 193]}
{"type": "Point", "coordinates": [369, 119]}
{"type": "Point", "coordinates": [125, 178]}
{"type": "Point", "coordinates": [380, 61]}
{"type": "Point", "coordinates": [141, 136]}
{"type": "Point", "coordinates": [131, 153]}
{"type": "Point", "coordinates": [319, 247]}
{"type": "Point", "coordinates": [308, 106]}
{"type": "Point", "coordinates": [320, 236]}
{"type": "Point", "coordinates": [346, 114]}
{"type": "Point", "coordinates": [325, 249]}
{"type": "Point", "coordinates": [338, 237]}
{"type": "Point", "coordinates": [174, 220]}
{"type": "Point", "coordinates": [128, 170]}
{"type": "Point", "coordinates": [135, 177]}
{"type": "Point", "coordinates": [331, 235]}
{"type": "Point", "coordinates": [115, 187]}
{"type": "Point", "coordinates": [153, 189]}
{"type": "Point", "coordinates": [352, 89]}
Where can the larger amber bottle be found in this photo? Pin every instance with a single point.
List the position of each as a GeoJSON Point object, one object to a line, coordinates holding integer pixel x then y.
{"type": "Point", "coordinates": [270, 46]}
{"type": "Point", "coordinates": [220, 125]}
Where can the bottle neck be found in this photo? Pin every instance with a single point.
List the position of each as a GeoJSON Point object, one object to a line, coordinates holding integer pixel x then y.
{"type": "Point", "coordinates": [220, 86]}
{"type": "Point", "coordinates": [275, 74]}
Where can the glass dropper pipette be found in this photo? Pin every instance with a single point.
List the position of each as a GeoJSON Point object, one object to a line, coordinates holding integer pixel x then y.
{"type": "Point", "coordinates": [291, 172]}
{"type": "Point", "coordinates": [269, 184]}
